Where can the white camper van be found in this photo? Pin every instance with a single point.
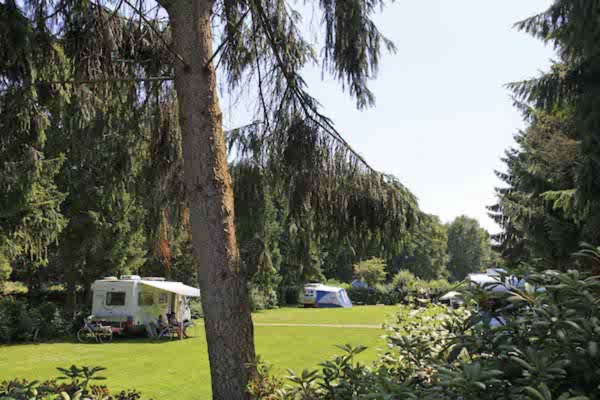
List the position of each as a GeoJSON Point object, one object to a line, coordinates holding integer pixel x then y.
{"type": "Point", "coordinates": [131, 302]}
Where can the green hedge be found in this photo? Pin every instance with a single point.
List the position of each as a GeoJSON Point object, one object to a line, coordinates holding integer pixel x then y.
{"type": "Point", "coordinates": [377, 295]}
{"type": "Point", "coordinates": [404, 287]}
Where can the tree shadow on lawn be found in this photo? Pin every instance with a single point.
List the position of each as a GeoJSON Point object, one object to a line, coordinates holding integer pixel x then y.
{"type": "Point", "coordinates": [116, 341]}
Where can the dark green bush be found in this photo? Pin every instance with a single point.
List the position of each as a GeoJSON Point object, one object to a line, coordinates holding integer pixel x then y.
{"type": "Point", "coordinates": [263, 299]}
{"type": "Point", "coordinates": [21, 322]}
{"type": "Point", "coordinates": [290, 295]}
{"type": "Point", "coordinates": [380, 294]}
{"type": "Point", "coordinates": [404, 286]}
{"type": "Point", "coordinates": [196, 308]}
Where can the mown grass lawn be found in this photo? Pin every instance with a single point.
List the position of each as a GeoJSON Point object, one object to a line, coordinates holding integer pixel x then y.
{"type": "Point", "coordinates": [179, 369]}
{"type": "Point", "coordinates": [357, 315]}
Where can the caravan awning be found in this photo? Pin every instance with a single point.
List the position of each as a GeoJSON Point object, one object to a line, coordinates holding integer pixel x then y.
{"type": "Point", "coordinates": [174, 287]}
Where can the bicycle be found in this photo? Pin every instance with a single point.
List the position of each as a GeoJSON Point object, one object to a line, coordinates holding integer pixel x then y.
{"type": "Point", "coordinates": [94, 331]}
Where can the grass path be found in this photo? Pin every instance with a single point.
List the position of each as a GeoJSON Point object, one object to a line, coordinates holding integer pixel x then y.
{"type": "Point", "coordinates": [351, 326]}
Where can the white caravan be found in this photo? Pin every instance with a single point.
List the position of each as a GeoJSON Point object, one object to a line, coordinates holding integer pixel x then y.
{"type": "Point", "coordinates": [131, 302]}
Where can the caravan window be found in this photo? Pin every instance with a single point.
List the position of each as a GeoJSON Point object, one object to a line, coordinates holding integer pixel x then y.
{"type": "Point", "coordinates": [162, 298]}
{"type": "Point", "coordinates": [115, 298]}
{"type": "Point", "coordinates": [145, 299]}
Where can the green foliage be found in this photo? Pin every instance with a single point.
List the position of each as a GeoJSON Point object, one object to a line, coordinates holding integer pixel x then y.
{"type": "Point", "coordinates": [469, 247]}
{"type": "Point", "coordinates": [5, 269]}
{"type": "Point", "coordinates": [552, 201]}
{"type": "Point", "coordinates": [371, 271]}
{"type": "Point", "coordinates": [404, 288]}
{"type": "Point", "coordinates": [195, 308]}
{"type": "Point", "coordinates": [264, 384]}
{"type": "Point", "coordinates": [336, 283]}
{"type": "Point", "coordinates": [380, 294]}
{"type": "Point", "coordinates": [78, 388]}
{"type": "Point", "coordinates": [30, 217]}
{"type": "Point", "coordinates": [545, 348]}
{"type": "Point", "coordinates": [94, 162]}
{"type": "Point", "coordinates": [8, 288]}
{"type": "Point", "coordinates": [304, 222]}
{"type": "Point", "coordinates": [537, 209]}
{"type": "Point", "coordinates": [332, 208]}
{"type": "Point", "coordinates": [263, 300]}
{"type": "Point", "coordinates": [20, 321]}
{"type": "Point", "coordinates": [425, 250]}
{"type": "Point", "coordinates": [90, 174]}
{"type": "Point", "coordinates": [404, 280]}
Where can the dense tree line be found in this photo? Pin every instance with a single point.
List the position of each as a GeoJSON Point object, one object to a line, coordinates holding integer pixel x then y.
{"type": "Point", "coordinates": [550, 202]}
{"type": "Point", "coordinates": [92, 167]}
{"type": "Point", "coordinates": [92, 176]}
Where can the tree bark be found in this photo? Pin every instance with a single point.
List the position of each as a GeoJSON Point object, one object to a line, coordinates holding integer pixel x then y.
{"type": "Point", "coordinates": [71, 296]}
{"type": "Point", "coordinates": [228, 323]}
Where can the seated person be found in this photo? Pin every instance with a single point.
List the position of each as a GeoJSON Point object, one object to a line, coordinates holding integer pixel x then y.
{"type": "Point", "coordinates": [175, 324]}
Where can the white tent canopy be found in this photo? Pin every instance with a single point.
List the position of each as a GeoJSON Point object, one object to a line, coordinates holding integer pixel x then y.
{"type": "Point", "coordinates": [325, 288]}
{"type": "Point", "coordinates": [174, 287]}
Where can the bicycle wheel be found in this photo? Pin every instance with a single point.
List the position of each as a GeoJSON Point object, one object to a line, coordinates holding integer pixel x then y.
{"type": "Point", "coordinates": [106, 336]}
{"type": "Point", "coordinates": [85, 335]}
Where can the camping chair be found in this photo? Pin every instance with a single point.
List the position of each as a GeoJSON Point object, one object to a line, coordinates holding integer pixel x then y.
{"type": "Point", "coordinates": [166, 331]}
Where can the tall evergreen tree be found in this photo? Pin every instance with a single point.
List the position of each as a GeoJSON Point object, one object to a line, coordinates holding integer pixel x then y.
{"type": "Point", "coordinates": [571, 85]}
{"type": "Point", "coordinates": [551, 201]}
{"type": "Point", "coordinates": [540, 168]}
{"type": "Point", "coordinates": [30, 217]}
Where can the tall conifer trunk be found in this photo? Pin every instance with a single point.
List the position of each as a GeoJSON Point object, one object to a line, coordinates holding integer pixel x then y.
{"type": "Point", "coordinates": [228, 323]}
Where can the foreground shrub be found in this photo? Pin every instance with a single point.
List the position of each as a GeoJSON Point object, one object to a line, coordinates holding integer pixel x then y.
{"type": "Point", "coordinates": [74, 383]}
{"type": "Point", "coordinates": [545, 345]}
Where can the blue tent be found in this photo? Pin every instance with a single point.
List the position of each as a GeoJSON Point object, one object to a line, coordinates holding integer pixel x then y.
{"type": "Point", "coordinates": [329, 296]}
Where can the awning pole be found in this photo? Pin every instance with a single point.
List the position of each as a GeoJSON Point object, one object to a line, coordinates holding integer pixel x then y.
{"type": "Point", "coordinates": [180, 312]}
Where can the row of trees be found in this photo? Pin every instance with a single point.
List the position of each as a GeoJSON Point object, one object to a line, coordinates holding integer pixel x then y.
{"type": "Point", "coordinates": [550, 200]}
{"type": "Point", "coordinates": [453, 250]}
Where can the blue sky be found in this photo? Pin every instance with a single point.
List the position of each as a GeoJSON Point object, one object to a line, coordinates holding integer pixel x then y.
{"type": "Point", "coordinates": [443, 118]}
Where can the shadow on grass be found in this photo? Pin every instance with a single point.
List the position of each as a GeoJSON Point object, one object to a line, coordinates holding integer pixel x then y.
{"type": "Point", "coordinates": [116, 341]}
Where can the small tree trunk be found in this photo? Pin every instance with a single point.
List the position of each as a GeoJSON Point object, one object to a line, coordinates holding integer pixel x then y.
{"type": "Point", "coordinates": [228, 323]}
{"type": "Point", "coordinates": [71, 295]}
